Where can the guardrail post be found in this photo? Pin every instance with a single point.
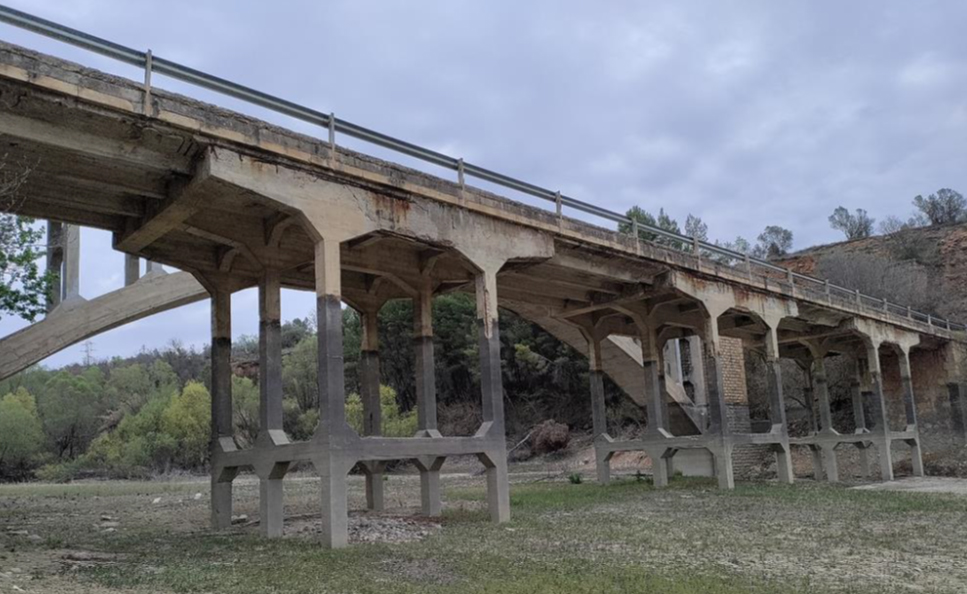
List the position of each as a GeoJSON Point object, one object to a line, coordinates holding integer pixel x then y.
{"type": "Point", "coordinates": [146, 107]}
{"type": "Point", "coordinates": [332, 135]}
{"type": "Point", "coordinates": [859, 297]}
{"type": "Point", "coordinates": [792, 281]}
{"type": "Point", "coordinates": [748, 266]}
{"type": "Point", "coordinates": [909, 312]}
{"type": "Point", "coordinates": [829, 296]}
{"type": "Point", "coordinates": [886, 305]}
{"type": "Point", "coordinates": [929, 320]}
{"type": "Point", "coordinates": [461, 182]}
{"type": "Point", "coordinates": [558, 204]}
{"type": "Point", "coordinates": [696, 248]}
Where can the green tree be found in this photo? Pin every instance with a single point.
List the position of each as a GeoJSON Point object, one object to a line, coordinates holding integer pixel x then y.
{"type": "Point", "coordinates": [21, 434]}
{"type": "Point", "coordinates": [774, 242]}
{"type": "Point", "coordinates": [69, 407]}
{"type": "Point", "coordinates": [395, 423]}
{"type": "Point", "coordinates": [188, 421]}
{"type": "Point", "coordinates": [23, 287]}
{"type": "Point", "coordinates": [245, 410]}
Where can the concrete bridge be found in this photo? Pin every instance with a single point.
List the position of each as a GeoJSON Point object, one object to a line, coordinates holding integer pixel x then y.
{"type": "Point", "coordinates": [238, 203]}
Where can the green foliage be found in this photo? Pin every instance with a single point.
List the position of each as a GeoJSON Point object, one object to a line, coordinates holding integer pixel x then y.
{"type": "Point", "coordinates": [23, 287]}
{"type": "Point", "coordinates": [575, 478]}
{"type": "Point", "coordinates": [21, 434]}
{"type": "Point", "coordinates": [299, 373]}
{"type": "Point", "coordinates": [187, 420]}
{"type": "Point", "coordinates": [69, 406]}
{"type": "Point", "coordinates": [394, 422]}
{"type": "Point", "coordinates": [245, 409]}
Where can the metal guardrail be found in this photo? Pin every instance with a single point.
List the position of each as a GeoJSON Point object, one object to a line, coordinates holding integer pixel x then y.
{"type": "Point", "coordinates": [153, 64]}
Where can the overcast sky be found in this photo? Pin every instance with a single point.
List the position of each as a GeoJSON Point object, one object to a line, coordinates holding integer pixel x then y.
{"type": "Point", "coordinates": [743, 113]}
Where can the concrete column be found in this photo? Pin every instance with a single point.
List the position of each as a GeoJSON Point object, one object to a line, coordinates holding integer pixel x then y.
{"type": "Point", "coordinates": [270, 399]}
{"type": "Point", "coordinates": [810, 398]}
{"type": "Point", "coordinates": [882, 415]}
{"type": "Point", "coordinates": [330, 464]}
{"type": "Point", "coordinates": [599, 412]}
{"type": "Point", "coordinates": [654, 398]}
{"type": "Point", "coordinates": [958, 410]}
{"type": "Point", "coordinates": [372, 406]}
{"type": "Point", "coordinates": [221, 354]}
{"type": "Point", "coordinates": [426, 408]}
{"type": "Point", "coordinates": [492, 392]}
{"type": "Point", "coordinates": [777, 407]}
{"type": "Point", "coordinates": [132, 269]}
{"type": "Point", "coordinates": [153, 268]}
{"type": "Point", "coordinates": [696, 374]}
{"type": "Point", "coordinates": [830, 463]}
{"type": "Point", "coordinates": [859, 418]}
{"type": "Point", "coordinates": [718, 409]}
{"type": "Point", "coordinates": [71, 283]}
{"type": "Point", "coordinates": [55, 262]}
{"type": "Point", "coordinates": [910, 406]}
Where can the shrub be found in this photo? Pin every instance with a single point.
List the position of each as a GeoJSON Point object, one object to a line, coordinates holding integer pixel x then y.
{"type": "Point", "coordinates": [575, 478]}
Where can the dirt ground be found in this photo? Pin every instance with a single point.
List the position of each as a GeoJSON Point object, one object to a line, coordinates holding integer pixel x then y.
{"type": "Point", "coordinates": [109, 537]}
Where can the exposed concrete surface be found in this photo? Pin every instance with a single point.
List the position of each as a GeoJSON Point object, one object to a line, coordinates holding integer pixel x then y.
{"type": "Point", "coordinates": [927, 484]}
{"type": "Point", "coordinates": [75, 321]}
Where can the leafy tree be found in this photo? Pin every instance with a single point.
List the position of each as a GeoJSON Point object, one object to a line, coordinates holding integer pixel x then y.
{"type": "Point", "coordinates": [69, 407]}
{"type": "Point", "coordinates": [23, 287]}
{"type": "Point", "coordinates": [299, 373]}
{"type": "Point", "coordinates": [774, 242]}
{"type": "Point", "coordinates": [946, 206]}
{"type": "Point", "coordinates": [663, 221]}
{"type": "Point", "coordinates": [395, 423]}
{"type": "Point", "coordinates": [188, 421]}
{"type": "Point", "coordinates": [696, 228]}
{"type": "Point", "coordinates": [854, 226]}
{"type": "Point", "coordinates": [21, 434]}
{"type": "Point", "coordinates": [245, 408]}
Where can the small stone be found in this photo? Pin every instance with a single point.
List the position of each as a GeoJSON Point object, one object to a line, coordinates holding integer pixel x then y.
{"type": "Point", "coordinates": [107, 518]}
{"type": "Point", "coordinates": [17, 532]}
{"type": "Point", "coordinates": [108, 530]}
{"type": "Point", "coordinates": [17, 588]}
{"type": "Point", "coordinates": [241, 519]}
{"type": "Point", "coordinates": [197, 496]}
{"type": "Point", "coordinates": [110, 524]}
{"type": "Point", "coordinates": [35, 538]}
{"type": "Point", "coordinates": [156, 501]}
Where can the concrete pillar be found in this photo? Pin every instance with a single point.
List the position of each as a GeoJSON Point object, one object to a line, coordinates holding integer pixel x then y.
{"type": "Point", "coordinates": [599, 412]}
{"type": "Point", "coordinates": [910, 407]}
{"type": "Point", "coordinates": [821, 389]}
{"type": "Point", "coordinates": [132, 269]}
{"type": "Point", "coordinates": [654, 397]}
{"type": "Point", "coordinates": [270, 398]}
{"type": "Point", "coordinates": [221, 354]}
{"type": "Point", "coordinates": [153, 268]}
{"type": "Point", "coordinates": [882, 415]}
{"type": "Point", "coordinates": [718, 408]}
{"type": "Point", "coordinates": [330, 465]}
{"type": "Point", "coordinates": [859, 418]}
{"type": "Point", "coordinates": [777, 407]}
{"type": "Point", "coordinates": [958, 410]}
{"type": "Point", "coordinates": [696, 373]}
{"type": "Point", "coordinates": [55, 262]}
{"type": "Point", "coordinates": [492, 392]}
{"type": "Point", "coordinates": [372, 406]}
{"type": "Point", "coordinates": [426, 408]}
{"type": "Point", "coordinates": [71, 283]}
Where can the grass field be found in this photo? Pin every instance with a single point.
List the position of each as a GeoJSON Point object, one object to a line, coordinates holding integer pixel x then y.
{"type": "Point", "coordinates": [627, 537]}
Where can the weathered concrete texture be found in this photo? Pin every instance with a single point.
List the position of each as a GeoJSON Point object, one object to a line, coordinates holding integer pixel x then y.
{"type": "Point", "coordinates": [74, 322]}
{"type": "Point", "coordinates": [239, 203]}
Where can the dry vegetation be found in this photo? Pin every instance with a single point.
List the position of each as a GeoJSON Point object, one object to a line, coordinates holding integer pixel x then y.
{"type": "Point", "coordinates": [152, 537]}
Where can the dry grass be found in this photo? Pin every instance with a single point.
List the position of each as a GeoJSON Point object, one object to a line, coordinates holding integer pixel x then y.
{"type": "Point", "coordinates": [626, 537]}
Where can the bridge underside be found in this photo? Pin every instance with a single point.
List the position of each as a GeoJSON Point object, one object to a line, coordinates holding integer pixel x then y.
{"type": "Point", "coordinates": [238, 203]}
